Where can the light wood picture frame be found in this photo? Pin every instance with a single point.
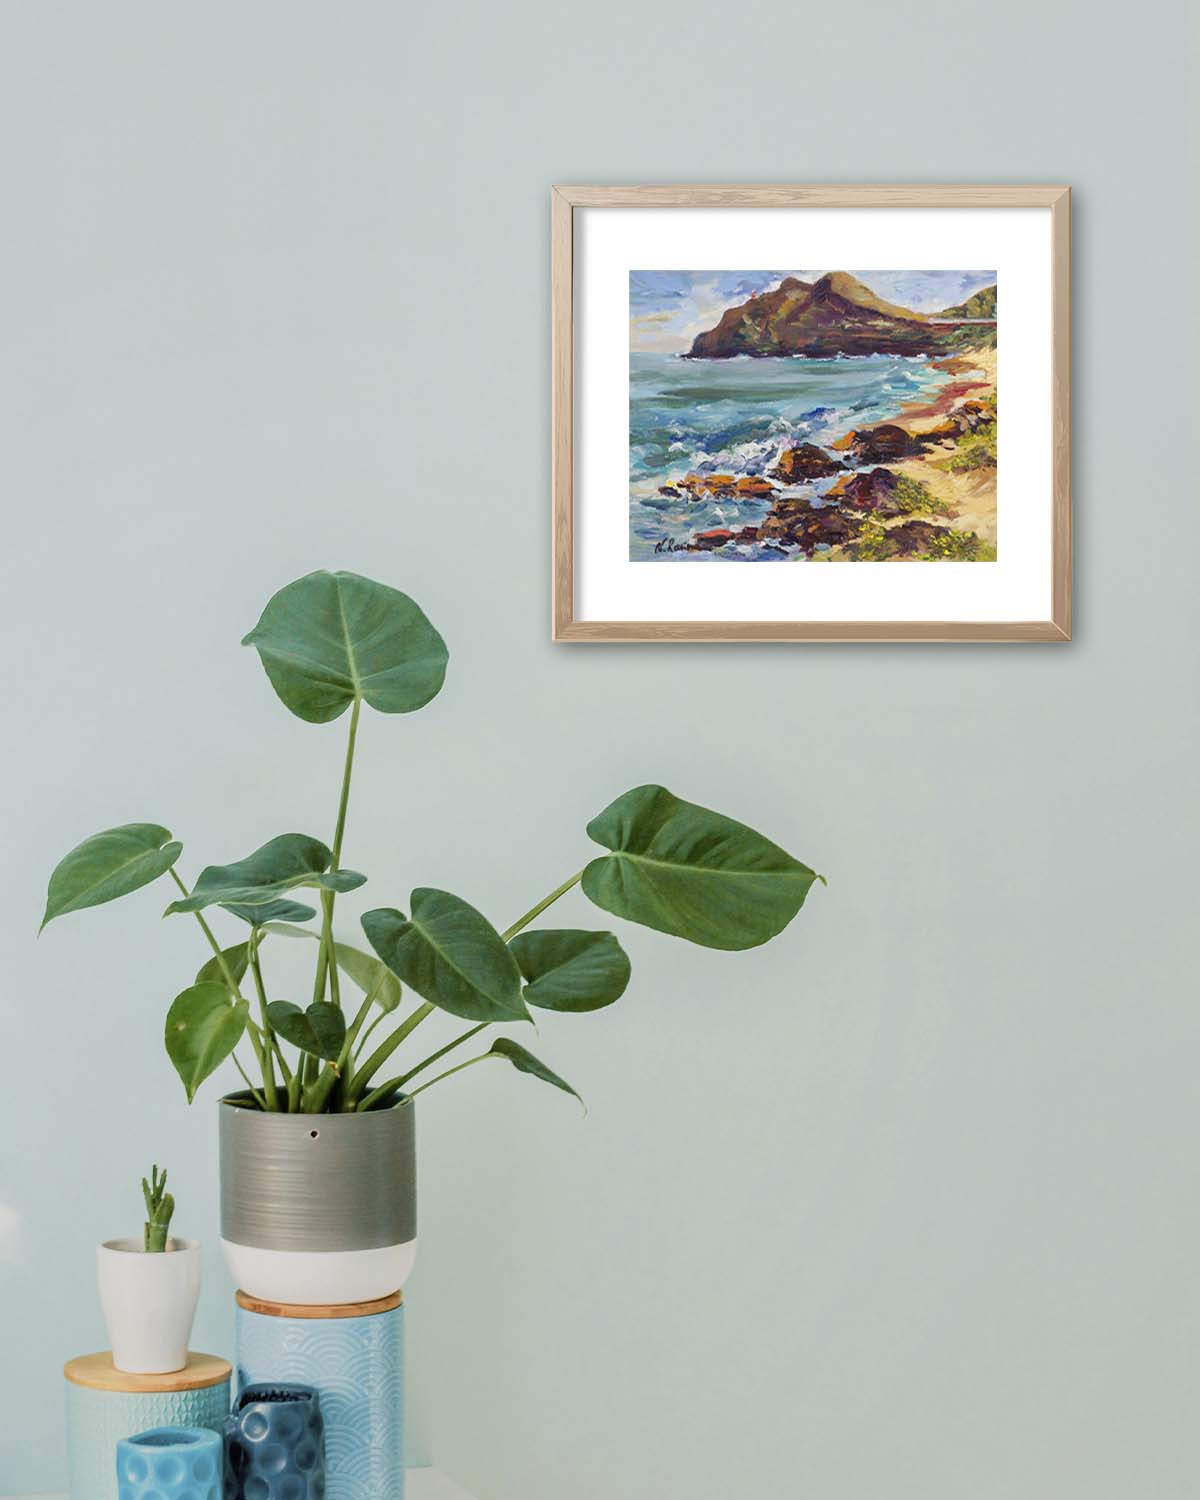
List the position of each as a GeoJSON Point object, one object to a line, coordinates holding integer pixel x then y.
{"type": "Point", "coordinates": [788, 315]}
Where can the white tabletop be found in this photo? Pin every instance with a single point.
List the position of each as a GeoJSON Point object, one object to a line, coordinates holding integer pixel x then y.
{"type": "Point", "coordinates": [428, 1484]}
{"type": "Point", "coordinates": [423, 1484]}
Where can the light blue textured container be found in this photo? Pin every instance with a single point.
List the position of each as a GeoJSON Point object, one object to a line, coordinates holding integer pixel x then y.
{"type": "Point", "coordinates": [353, 1356]}
{"type": "Point", "coordinates": [105, 1404]}
{"type": "Point", "coordinates": [171, 1463]}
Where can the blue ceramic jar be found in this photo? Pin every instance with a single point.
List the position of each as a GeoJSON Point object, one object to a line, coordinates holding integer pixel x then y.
{"type": "Point", "coordinates": [354, 1357]}
{"type": "Point", "coordinates": [275, 1443]}
{"type": "Point", "coordinates": [105, 1404]}
{"type": "Point", "coordinates": [170, 1463]}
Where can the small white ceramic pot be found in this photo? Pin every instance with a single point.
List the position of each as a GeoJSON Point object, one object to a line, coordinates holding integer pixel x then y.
{"type": "Point", "coordinates": [148, 1302]}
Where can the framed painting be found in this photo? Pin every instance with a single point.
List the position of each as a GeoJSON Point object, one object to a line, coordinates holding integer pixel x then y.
{"type": "Point", "coordinates": [812, 413]}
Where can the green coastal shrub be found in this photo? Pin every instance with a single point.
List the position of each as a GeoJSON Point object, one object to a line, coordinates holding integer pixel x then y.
{"type": "Point", "coordinates": [960, 546]}
{"type": "Point", "coordinates": [971, 336]}
{"type": "Point", "coordinates": [911, 497]}
{"type": "Point", "coordinates": [872, 544]}
{"type": "Point", "coordinates": [976, 450]}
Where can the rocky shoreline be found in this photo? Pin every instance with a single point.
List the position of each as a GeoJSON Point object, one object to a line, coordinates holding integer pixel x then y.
{"type": "Point", "coordinates": [920, 487]}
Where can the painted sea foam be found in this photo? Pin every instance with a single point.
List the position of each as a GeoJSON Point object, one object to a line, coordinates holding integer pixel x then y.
{"type": "Point", "coordinates": [736, 415]}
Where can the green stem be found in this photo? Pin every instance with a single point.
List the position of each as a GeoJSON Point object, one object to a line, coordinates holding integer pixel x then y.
{"type": "Point", "coordinates": [373, 1097]}
{"type": "Point", "coordinates": [255, 1034]}
{"type": "Point", "coordinates": [268, 1066]}
{"type": "Point", "coordinates": [319, 976]}
{"type": "Point", "coordinates": [344, 800]}
{"type": "Point", "coordinates": [291, 1081]}
{"type": "Point", "coordinates": [323, 1086]}
{"type": "Point", "coordinates": [259, 1100]}
{"type": "Point", "coordinates": [308, 1068]}
{"type": "Point", "coordinates": [335, 993]}
{"type": "Point", "coordinates": [396, 1083]}
{"type": "Point", "coordinates": [536, 911]}
{"type": "Point", "coordinates": [450, 1072]}
{"type": "Point", "coordinates": [160, 1205]}
{"type": "Point", "coordinates": [326, 969]}
{"type": "Point", "coordinates": [283, 1062]}
{"type": "Point", "coordinates": [366, 1036]}
{"type": "Point", "coordinates": [314, 1095]}
{"type": "Point", "coordinates": [308, 1063]}
{"type": "Point", "coordinates": [339, 832]}
{"type": "Point", "coordinates": [362, 1076]}
{"type": "Point", "coordinates": [222, 963]}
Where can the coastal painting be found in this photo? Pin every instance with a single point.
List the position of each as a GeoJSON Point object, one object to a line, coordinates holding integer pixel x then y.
{"type": "Point", "coordinates": [812, 416]}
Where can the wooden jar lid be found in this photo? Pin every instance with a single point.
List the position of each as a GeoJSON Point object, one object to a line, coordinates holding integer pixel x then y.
{"type": "Point", "coordinates": [98, 1373]}
{"type": "Point", "coordinates": [319, 1309]}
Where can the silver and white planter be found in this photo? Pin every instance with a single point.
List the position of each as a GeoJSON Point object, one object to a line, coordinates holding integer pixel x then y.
{"type": "Point", "coordinates": [318, 1208]}
{"type": "Point", "coordinates": [149, 1301]}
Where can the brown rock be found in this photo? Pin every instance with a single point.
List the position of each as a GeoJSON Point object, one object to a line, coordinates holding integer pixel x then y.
{"type": "Point", "coordinates": [775, 529]}
{"type": "Point", "coordinates": [805, 462]}
{"type": "Point", "coordinates": [913, 537]}
{"type": "Point", "coordinates": [876, 445]}
{"type": "Point", "coordinates": [970, 415]}
{"type": "Point", "coordinates": [870, 490]}
{"type": "Point", "coordinates": [709, 484]}
{"type": "Point", "coordinates": [796, 523]}
{"type": "Point", "coordinates": [755, 487]}
{"type": "Point", "coordinates": [827, 527]}
{"type": "Point", "coordinates": [709, 541]}
{"type": "Point", "coordinates": [720, 484]}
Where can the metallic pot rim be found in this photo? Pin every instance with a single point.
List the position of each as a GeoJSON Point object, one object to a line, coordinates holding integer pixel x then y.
{"type": "Point", "coordinates": [243, 1101]}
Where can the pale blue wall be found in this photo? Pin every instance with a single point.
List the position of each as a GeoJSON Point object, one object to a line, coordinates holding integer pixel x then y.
{"type": "Point", "coordinates": [903, 1205]}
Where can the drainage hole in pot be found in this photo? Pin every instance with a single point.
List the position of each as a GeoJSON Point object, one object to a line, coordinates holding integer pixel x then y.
{"type": "Point", "coordinates": [314, 1134]}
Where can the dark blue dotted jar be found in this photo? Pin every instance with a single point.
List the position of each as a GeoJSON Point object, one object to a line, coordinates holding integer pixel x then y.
{"type": "Point", "coordinates": [275, 1444]}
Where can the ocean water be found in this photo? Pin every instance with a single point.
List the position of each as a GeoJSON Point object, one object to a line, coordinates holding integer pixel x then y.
{"type": "Point", "coordinates": [736, 416]}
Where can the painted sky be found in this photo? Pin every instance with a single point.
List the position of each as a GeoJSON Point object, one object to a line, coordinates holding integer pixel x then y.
{"type": "Point", "coordinates": [667, 309]}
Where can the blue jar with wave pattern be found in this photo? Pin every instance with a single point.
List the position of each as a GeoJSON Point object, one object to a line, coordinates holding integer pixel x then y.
{"type": "Point", "coordinates": [275, 1444]}
{"type": "Point", "coordinates": [353, 1356]}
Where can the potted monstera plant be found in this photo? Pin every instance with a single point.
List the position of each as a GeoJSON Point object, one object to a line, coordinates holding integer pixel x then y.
{"type": "Point", "coordinates": [317, 1150]}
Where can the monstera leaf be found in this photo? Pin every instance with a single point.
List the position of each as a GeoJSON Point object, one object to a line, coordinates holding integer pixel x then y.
{"type": "Point", "coordinates": [331, 638]}
{"type": "Point", "coordinates": [204, 1025]}
{"type": "Point", "coordinates": [525, 1062]}
{"type": "Point", "coordinates": [371, 976]}
{"type": "Point", "coordinates": [235, 959]}
{"type": "Point", "coordinates": [109, 865]}
{"type": "Point", "coordinates": [692, 873]}
{"type": "Point", "coordinates": [450, 955]}
{"type": "Point", "coordinates": [321, 1029]}
{"type": "Point", "coordinates": [292, 859]}
{"type": "Point", "coordinates": [270, 911]}
{"type": "Point", "coordinates": [570, 970]}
